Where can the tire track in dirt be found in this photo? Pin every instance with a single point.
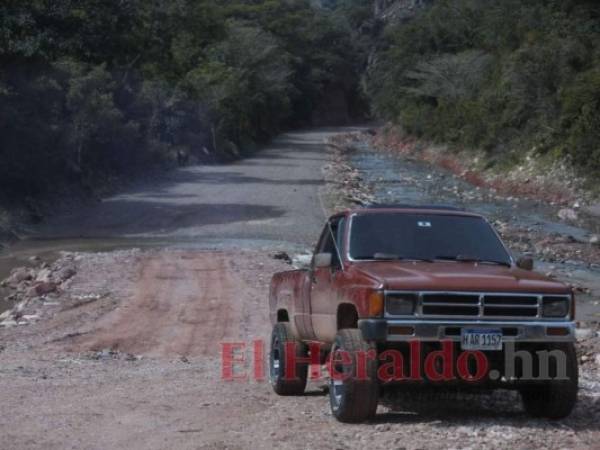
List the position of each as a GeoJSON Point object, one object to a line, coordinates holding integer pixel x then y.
{"type": "Point", "coordinates": [185, 303]}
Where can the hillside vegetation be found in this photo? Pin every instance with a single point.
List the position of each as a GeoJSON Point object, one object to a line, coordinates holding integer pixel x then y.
{"type": "Point", "coordinates": [510, 77]}
{"type": "Point", "coordinates": [92, 90]}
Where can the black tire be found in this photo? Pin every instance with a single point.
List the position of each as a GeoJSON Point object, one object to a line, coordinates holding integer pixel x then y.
{"type": "Point", "coordinates": [281, 385]}
{"type": "Point", "coordinates": [554, 399]}
{"type": "Point", "coordinates": [353, 400]}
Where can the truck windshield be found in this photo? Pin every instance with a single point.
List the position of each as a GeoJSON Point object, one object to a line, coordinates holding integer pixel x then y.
{"type": "Point", "coordinates": [427, 237]}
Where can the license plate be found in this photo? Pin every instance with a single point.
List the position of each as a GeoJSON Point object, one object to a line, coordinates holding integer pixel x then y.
{"type": "Point", "coordinates": [480, 339]}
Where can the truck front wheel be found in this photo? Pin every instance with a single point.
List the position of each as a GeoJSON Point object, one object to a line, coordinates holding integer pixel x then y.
{"type": "Point", "coordinates": [285, 381]}
{"type": "Point", "coordinates": [554, 399]}
{"type": "Point", "coordinates": [353, 388]}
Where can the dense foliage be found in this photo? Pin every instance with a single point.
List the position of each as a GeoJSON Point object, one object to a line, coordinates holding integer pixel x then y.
{"type": "Point", "coordinates": [509, 76]}
{"type": "Point", "coordinates": [93, 89]}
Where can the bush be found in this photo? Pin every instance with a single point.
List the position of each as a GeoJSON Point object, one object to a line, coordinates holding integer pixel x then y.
{"type": "Point", "coordinates": [514, 74]}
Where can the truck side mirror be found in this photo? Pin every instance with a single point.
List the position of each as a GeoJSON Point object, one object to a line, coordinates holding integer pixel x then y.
{"type": "Point", "coordinates": [525, 262]}
{"type": "Point", "coordinates": [323, 260]}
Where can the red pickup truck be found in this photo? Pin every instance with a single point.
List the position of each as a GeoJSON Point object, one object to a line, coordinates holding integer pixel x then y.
{"type": "Point", "coordinates": [401, 297]}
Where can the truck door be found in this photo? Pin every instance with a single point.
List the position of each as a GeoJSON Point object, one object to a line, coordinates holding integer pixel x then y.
{"type": "Point", "coordinates": [323, 298]}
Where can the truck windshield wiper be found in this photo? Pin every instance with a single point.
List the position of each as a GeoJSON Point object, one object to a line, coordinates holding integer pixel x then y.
{"type": "Point", "coordinates": [466, 258]}
{"type": "Point", "coordinates": [394, 257]}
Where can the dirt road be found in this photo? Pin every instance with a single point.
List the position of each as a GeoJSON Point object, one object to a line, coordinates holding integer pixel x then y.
{"type": "Point", "coordinates": [271, 197]}
{"type": "Point", "coordinates": [128, 353]}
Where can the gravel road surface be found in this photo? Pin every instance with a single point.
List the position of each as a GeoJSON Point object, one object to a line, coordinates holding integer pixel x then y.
{"type": "Point", "coordinates": [273, 197]}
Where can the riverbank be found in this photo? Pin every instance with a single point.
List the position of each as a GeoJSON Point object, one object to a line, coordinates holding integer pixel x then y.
{"type": "Point", "coordinates": [565, 248]}
{"type": "Point", "coordinates": [551, 181]}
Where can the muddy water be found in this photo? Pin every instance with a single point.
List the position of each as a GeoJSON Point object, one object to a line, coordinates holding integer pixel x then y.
{"type": "Point", "coordinates": [400, 180]}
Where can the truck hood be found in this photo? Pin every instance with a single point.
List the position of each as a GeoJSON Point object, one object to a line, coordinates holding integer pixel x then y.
{"type": "Point", "coordinates": [458, 276]}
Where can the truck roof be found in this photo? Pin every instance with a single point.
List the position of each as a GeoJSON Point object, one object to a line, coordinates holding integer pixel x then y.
{"type": "Point", "coordinates": [403, 208]}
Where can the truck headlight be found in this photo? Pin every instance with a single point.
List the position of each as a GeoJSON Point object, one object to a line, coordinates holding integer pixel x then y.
{"type": "Point", "coordinates": [555, 307]}
{"type": "Point", "coordinates": [400, 304]}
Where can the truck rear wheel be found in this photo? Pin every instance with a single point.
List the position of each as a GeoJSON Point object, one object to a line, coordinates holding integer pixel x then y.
{"type": "Point", "coordinates": [353, 386]}
{"type": "Point", "coordinates": [554, 399]}
{"type": "Point", "coordinates": [282, 384]}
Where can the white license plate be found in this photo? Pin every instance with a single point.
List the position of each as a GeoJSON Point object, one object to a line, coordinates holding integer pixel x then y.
{"type": "Point", "coordinates": [480, 339]}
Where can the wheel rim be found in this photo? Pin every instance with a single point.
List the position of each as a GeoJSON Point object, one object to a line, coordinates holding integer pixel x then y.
{"type": "Point", "coordinates": [275, 361]}
{"type": "Point", "coordinates": [336, 387]}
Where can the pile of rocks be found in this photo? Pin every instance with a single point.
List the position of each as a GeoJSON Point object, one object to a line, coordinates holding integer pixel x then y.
{"type": "Point", "coordinates": [30, 286]}
{"type": "Point", "coordinates": [346, 187]}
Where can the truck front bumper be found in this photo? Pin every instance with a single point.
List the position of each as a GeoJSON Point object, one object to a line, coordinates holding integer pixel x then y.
{"type": "Point", "coordinates": [387, 330]}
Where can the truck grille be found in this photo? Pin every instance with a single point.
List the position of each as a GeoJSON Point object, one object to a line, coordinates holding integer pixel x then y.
{"type": "Point", "coordinates": [450, 304]}
{"type": "Point", "coordinates": [441, 305]}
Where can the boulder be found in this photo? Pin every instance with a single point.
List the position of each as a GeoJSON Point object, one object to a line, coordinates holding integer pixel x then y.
{"type": "Point", "coordinates": [41, 288]}
{"type": "Point", "coordinates": [567, 214]}
{"type": "Point", "coordinates": [18, 275]}
{"type": "Point", "coordinates": [44, 276]}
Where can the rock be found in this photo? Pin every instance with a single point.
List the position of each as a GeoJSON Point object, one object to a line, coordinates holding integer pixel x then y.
{"type": "Point", "coordinates": [595, 239]}
{"type": "Point", "coordinates": [382, 427]}
{"type": "Point", "coordinates": [44, 276]}
{"type": "Point", "coordinates": [31, 317]}
{"type": "Point", "coordinates": [5, 315]}
{"type": "Point", "coordinates": [567, 214]}
{"type": "Point", "coordinates": [105, 354]}
{"type": "Point", "coordinates": [583, 333]}
{"type": "Point", "coordinates": [8, 323]}
{"type": "Point", "coordinates": [597, 359]}
{"type": "Point", "coordinates": [17, 276]}
{"type": "Point", "coordinates": [22, 286]}
{"type": "Point", "coordinates": [283, 256]}
{"type": "Point", "coordinates": [64, 273]}
{"type": "Point", "coordinates": [34, 258]}
{"type": "Point", "coordinates": [18, 309]}
{"type": "Point", "coordinates": [41, 288]}
{"type": "Point", "coordinates": [302, 261]}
